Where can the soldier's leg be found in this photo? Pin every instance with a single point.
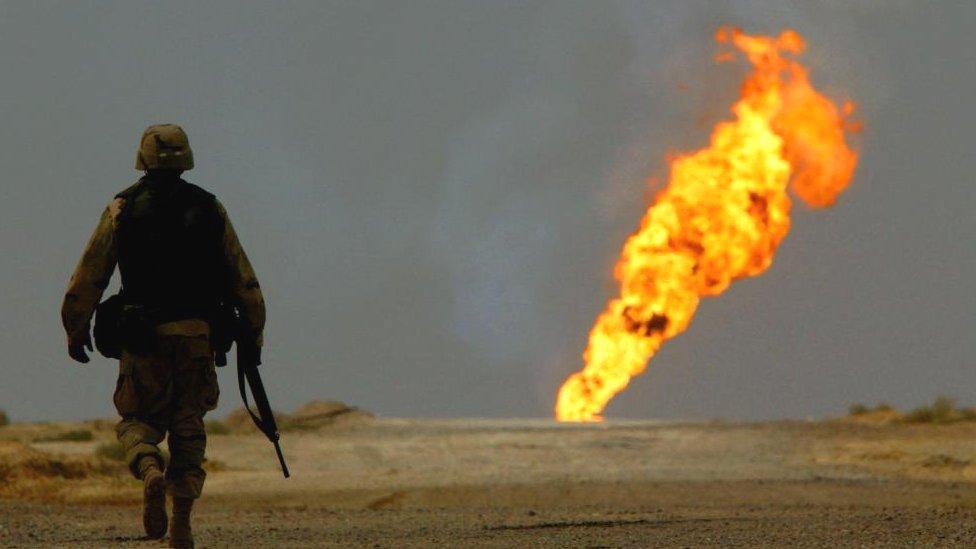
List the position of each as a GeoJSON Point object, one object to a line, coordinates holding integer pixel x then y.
{"type": "Point", "coordinates": [141, 398]}
{"type": "Point", "coordinates": [139, 441]}
{"type": "Point", "coordinates": [195, 393]}
{"type": "Point", "coordinates": [187, 445]}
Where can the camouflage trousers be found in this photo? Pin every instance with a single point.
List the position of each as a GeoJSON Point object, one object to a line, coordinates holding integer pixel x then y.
{"type": "Point", "coordinates": [166, 394]}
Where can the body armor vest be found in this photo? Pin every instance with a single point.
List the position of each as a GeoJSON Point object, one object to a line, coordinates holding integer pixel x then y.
{"type": "Point", "coordinates": [170, 247]}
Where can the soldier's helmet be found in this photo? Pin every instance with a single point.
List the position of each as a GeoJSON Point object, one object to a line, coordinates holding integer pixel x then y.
{"type": "Point", "coordinates": [164, 146]}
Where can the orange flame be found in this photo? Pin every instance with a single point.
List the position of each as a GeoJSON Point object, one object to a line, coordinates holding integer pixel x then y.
{"type": "Point", "coordinates": [720, 218]}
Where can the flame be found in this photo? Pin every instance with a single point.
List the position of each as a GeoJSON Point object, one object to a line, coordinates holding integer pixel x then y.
{"type": "Point", "coordinates": [720, 218]}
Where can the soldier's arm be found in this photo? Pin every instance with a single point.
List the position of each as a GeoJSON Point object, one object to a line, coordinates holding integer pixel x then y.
{"type": "Point", "coordinates": [244, 289]}
{"type": "Point", "coordinates": [90, 277]}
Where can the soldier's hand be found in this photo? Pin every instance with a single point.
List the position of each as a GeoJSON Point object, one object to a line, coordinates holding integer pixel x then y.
{"type": "Point", "coordinates": [76, 350]}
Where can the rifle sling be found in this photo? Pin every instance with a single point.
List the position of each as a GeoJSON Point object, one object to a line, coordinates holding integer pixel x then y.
{"type": "Point", "coordinates": [260, 422]}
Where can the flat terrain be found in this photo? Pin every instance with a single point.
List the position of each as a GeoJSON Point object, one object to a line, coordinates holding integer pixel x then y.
{"type": "Point", "coordinates": [359, 481]}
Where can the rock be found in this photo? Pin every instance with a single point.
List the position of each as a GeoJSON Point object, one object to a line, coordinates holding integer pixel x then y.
{"type": "Point", "coordinates": [321, 413]}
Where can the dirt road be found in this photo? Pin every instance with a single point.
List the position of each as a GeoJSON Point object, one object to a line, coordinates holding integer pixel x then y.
{"type": "Point", "coordinates": [412, 483]}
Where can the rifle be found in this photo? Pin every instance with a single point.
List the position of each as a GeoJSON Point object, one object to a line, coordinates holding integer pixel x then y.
{"type": "Point", "coordinates": [248, 360]}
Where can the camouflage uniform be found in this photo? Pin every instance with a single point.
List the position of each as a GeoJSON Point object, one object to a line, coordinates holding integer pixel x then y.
{"type": "Point", "coordinates": [168, 391]}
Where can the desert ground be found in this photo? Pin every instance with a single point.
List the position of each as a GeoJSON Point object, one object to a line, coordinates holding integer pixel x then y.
{"type": "Point", "coordinates": [363, 481]}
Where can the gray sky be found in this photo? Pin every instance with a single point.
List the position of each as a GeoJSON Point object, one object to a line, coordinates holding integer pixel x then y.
{"type": "Point", "coordinates": [434, 193]}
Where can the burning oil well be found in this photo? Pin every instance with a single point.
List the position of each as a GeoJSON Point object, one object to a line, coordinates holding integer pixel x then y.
{"type": "Point", "coordinates": [720, 217]}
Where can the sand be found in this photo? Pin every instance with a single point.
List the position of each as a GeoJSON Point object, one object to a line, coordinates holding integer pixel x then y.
{"type": "Point", "coordinates": [380, 482]}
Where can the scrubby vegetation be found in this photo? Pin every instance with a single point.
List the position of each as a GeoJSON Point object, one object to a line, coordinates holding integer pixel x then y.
{"type": "Point", "coordinates": [29, 472]}
{"type": "Point", "coordinates": [4, 419]}
{"type": "Point", "coordinates": [312, 416]}
{"type": "Point", "coordinates": [942, 410]}
{"type": "Point", "coordinates": [858, 409]}
{"type": "Point", "coordinates": [216, 427]}
{"type": "Point", "coordinates": [78, 435]}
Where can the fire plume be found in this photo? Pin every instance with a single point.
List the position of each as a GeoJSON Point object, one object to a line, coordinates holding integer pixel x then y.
{"type": "Point", "coordinates": [721, 216]}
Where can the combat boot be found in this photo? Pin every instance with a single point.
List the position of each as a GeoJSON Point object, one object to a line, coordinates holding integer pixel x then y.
{"type": "Point", "coordinates": [154, 518]}
{"type": "Point", "coordinates": [180, 534]}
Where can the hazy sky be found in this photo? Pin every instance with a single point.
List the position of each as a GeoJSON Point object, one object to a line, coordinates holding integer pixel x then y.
{"type": "Point", "coordinates": [434, 193]}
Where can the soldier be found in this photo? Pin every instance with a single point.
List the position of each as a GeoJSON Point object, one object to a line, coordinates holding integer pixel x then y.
{"type": "Point", "coordinates": [178, 257]}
